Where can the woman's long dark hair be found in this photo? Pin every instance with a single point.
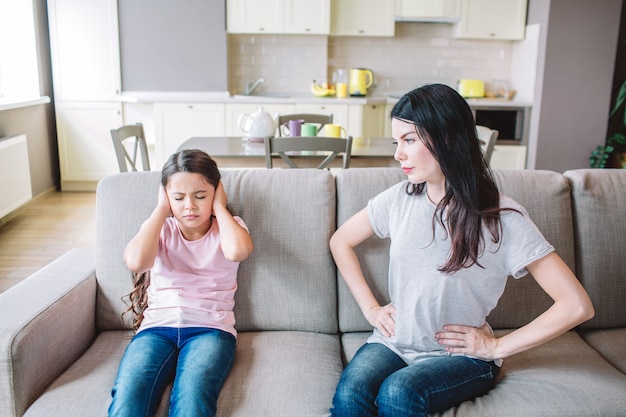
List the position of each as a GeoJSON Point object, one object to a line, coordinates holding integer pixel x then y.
{"type": "Point", "coordinates": [445, 124]}
{"type": "Point", "coordinates": [187, 160]}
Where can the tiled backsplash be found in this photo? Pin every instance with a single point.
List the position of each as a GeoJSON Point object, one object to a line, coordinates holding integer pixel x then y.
{"type": "Point", "coordinates": [419, 53]}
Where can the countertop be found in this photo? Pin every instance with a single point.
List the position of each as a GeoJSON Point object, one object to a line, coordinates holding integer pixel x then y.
{"type": "Point", "coordinates": [290, 98]}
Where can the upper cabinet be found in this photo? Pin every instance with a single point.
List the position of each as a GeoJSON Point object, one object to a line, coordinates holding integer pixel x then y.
{"type": "Point", "coordinates": [492, 19]}
{"type": "Point", "coordinates": [278, 16]}
{"type": "Point", "coordinates": [427, 11]}
{"type": "Point", "coordinates": [85, 49]}
{"type": "Point", "coordinates": [362, 18]}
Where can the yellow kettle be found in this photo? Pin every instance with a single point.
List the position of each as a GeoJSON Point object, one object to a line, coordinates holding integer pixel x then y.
{"type": "Point", "coordinates": [360, 80]}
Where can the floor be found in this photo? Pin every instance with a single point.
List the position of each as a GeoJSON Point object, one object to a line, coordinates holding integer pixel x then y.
{"type": "Point", "coordinates": [46, 228]}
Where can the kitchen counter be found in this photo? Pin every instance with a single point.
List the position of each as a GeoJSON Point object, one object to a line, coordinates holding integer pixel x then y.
{"type": "Point", "coordinates": [291, 98]}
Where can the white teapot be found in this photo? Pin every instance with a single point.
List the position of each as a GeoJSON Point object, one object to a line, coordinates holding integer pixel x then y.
{"type": "Point", "coordinates": [258, 125]}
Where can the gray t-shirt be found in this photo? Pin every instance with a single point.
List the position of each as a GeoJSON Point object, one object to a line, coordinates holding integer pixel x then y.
{"type": "Point", "coordinates": [427, 299]}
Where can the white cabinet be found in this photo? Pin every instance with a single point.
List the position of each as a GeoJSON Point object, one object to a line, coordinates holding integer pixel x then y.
{"type": "Point", "coordinates": [367, 120]}
{"type": "Point", "coordinates": [84, 49]}
{"type": "Point", "coordinates": [84, 43]}
{"type": "Point", "coordinates": [508, 157]}
{"type": "Point", "coordinates": [362, 18]}
{"type": "Point", "coordinates": [177, 122]}
{"type": "Point", "coordinates": [278, 16]}
{"type": "Point", "coordinates": [86, 152]}
{"type": "Point", "coordinates": [492, 19]}
{"type": "Point", "coordinates": [427, 10]}
{"type": "Point", "coordinates": [234, 112]}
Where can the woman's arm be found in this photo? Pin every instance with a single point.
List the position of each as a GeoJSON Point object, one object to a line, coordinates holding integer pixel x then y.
{"type": "Point", "coordinates": [354, 231]}
{"type": "Point", "coordinates": [235, 241]}
{"type": "Point", "coordinates": [571, 307]}
{"type": "Point", "coordinates": [141, 251]}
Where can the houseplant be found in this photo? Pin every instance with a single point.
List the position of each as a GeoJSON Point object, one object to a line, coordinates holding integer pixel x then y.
{"type": "Point", "coordinates": [613, 152]}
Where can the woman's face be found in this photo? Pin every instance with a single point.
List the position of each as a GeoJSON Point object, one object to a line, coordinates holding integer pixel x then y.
{"type": "Point", "coordinates": [415, 159]}
{"type": "Point", "coordinates": [191, 202]}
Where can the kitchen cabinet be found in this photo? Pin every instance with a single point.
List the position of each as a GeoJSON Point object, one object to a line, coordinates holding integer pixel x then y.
{"type": "Point", "coordinates": [86, 152]}
{"type": "Point", "coordinates": [177, 122]}
{"type": "Point", "coordinates": [362, 18]}
{"type": "Point", "coordinates": [278, 16]}
{"type": "Point", "coordinates": [84, 50]}
{"type": "Point", "coordinates": [84, 46]}
{"type": "Point", "coordinates": [508, 157]}
{"type": "Point", "coordinates": [492, 19]}
{"type": "Point", "coordinates": [427, 10]}
{"type": "Point", "coordinates": [366, 120]}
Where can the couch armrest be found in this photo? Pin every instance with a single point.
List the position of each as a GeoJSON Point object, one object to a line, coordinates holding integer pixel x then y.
{"type": "Point", "coordinates": [47, 322]}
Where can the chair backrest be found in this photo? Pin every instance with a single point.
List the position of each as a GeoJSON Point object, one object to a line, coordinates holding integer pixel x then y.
{"type": "Point", "coordinates": [321, 119]}
{"type": "Point", "coordinates": [137, 142]}
{"type": "Point", "coordinates": [488, 138]}
{"type": "Point", "coordinates": [282, 145]}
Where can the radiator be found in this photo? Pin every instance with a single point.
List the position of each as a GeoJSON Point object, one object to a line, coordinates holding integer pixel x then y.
{"type": "Point", "coordinates": [15, 188]}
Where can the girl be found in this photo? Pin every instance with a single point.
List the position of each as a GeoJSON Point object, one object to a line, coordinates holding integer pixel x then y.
{"type": "Point", "coordinates": [454, 241]}
{"type": "Point", "coordinates": [191, 245]}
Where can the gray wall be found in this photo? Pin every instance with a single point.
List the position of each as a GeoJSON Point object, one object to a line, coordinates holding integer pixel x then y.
{"type": "Point", "coordinates": [578, 42]}
{"type": "Point", "coordinates": [37, 122]}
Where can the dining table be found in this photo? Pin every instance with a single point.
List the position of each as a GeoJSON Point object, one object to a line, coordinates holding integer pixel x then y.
{"type": "Point", "coordinates": [238, 152]}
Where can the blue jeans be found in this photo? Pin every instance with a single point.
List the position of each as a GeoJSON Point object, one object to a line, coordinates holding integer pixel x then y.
{"type": "Point", "coordinates": [377, 382]}
{"type": "Point", "coordinates": [196, 359]}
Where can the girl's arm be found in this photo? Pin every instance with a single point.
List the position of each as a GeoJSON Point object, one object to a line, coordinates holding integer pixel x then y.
{"type": "Point", "coordinates": [354, 231]}
{"type": "Point", "coordinates": [141, 251]}
{"type": "Point", "coordinates": [571, 307]}
{"type": "Point", "coordinates": [235, 240]}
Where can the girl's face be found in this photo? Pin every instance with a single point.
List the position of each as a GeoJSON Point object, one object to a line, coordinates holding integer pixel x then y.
{"type": "Point", "coordinates": [191, 202]}
{"type": "Point", "coordinates": [415, 159]}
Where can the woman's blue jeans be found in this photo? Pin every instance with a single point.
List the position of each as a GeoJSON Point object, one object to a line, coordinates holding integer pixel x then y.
{"type": "Point", "coordinates": [377, 382]}
{"type": "Point", "coordinates": [196, 359]}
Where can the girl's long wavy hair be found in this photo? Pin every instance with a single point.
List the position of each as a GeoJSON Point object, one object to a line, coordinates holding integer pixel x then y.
{"type": "Point", "coordinates": [444, 122]}
{"type": "Point", "coordinates": [187, 160]}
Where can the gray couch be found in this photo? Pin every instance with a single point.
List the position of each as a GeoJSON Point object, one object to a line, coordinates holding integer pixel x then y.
{"type": "Point", "coordinates": [62, 336]}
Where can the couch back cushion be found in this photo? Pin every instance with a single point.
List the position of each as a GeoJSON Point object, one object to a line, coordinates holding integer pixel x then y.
{"type": "Point", "coordinates": [288, 283]}
{"type": "Point", "coordinates": [599, 206]}
{"type": "Point", "coordinates": [544, 194]}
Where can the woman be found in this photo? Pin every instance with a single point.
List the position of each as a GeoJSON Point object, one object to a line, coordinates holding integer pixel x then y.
{"type": "Point", "coordinates": [454, 240]}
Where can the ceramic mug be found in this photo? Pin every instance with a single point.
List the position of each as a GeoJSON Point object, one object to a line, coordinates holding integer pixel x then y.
{"type": "Point", "coordinates": [334, 131]}
{"type": "Point", "coordinates": [294, 127]}
{"type": "Point", "coordinates": [309, 129]}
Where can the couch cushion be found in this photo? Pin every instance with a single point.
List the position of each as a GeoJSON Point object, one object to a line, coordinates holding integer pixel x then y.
{"type": "Point", "coordinates": [282, 374]}
{"type": "Point", "coordinates": [288, 283]}
{"type": "Point", "coordinates": [546, 197]}
{"type": "Point", "coordinates": [355, 187]}
{"type": "Point", "coordinates": [564, 377]}
{"type": "Point", "coordinates": [544, 194]}
{"type": "Point", "coordinates": [599, 204]}
{"type": "Point", "coordinates": [85, 388]}
{"type": "Point", "coordinates": [610, 343]}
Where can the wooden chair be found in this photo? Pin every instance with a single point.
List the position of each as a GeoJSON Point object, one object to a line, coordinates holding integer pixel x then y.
{"type": "Point", "coordinates": [488, 138]}
{"type": "Point", "coordinates": [135, 135]}
{"type": "Point", "coordinates": [282, 145]}
{"type": "Point", "coordinates": [321, 119]}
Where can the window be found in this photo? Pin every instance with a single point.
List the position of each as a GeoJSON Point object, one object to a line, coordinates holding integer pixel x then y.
{"type": "Point", "coordinates": [19, 74]}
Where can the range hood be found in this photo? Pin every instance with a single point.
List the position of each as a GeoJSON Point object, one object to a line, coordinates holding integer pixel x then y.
{"type": "Point", "coordinates": [428, 11]}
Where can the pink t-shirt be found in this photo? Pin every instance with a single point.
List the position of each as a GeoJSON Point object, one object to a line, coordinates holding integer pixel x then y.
{"type": "Point", "coordinates": [191, 283]}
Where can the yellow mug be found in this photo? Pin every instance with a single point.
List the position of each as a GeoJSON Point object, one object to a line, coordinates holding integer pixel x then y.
{"type": "Point", "coordinates": [334, 131]}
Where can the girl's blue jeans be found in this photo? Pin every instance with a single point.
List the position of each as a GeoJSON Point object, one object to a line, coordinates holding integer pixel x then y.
{"type": "Point", "coordinates": [377, 382]}
{"type": "Point", "coordinates": [196, 359]}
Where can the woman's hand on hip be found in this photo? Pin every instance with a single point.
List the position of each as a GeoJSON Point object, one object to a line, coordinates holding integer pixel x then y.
{"type": "Point", "coordinates": [383, 319]}
{"type": "Point", "coordinates": [477, 342]}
